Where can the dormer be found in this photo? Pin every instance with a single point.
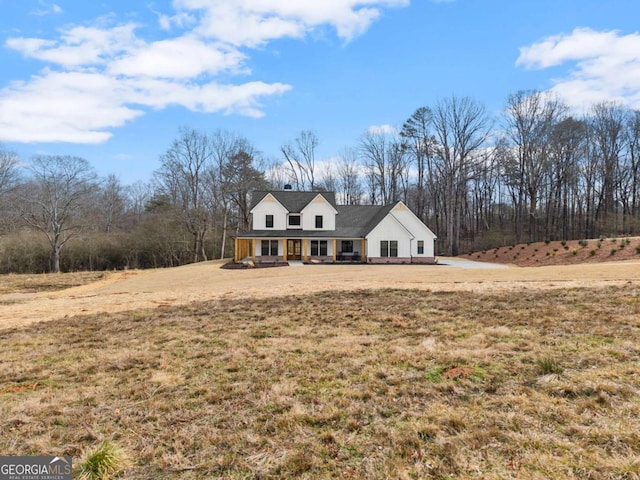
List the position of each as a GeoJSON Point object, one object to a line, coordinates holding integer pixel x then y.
{"type": "Point", "coordinates": [319, 214]}
{"type": "Point", "coordinates": [269, 214]}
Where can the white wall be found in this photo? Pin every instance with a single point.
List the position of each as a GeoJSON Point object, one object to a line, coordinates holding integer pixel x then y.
{"type": "Point", "coordinates": [318, 206]}
{"type": "Point", "coordinates": [269, 206]}
{"type": "Point", "coordinates": [418, 229]}
{"type": "Point", "coordinates": [389, 229]}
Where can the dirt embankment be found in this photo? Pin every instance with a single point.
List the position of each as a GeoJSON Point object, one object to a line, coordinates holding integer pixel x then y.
{"type": "Point", "coordinates": [571, 252]}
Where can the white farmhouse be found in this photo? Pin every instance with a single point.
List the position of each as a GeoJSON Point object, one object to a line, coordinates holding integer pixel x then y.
{"type": "Point", "coordinates": [309, 226]}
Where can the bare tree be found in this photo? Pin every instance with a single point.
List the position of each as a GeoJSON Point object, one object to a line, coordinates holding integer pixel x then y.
{"type": "Point", "coordinates": [111, 203]}
{"type": "Point", "coordinates": [418, 137]}
{"type": "Point", "coordinates": [54, 198]}
{"type": "Point", "coordinates": [349, 184]}
{"type": "Point", "coordinates": [531, 118]}
{"type": "Point", "coordinates": [8, 169]}
{"type": "Point", "coordinates": [607, 124]}
{"type": "Point", "coordinates": [633, 165]}
{"type": "Point", "coordinates": [183, 176]}
{"type": "Point", "coordinates": [300, 155]}
{"type": "Point", "coordinates": [461, 128]}
{"type": "Point", "coordinates": [8, 179]}
{"type": "Point", "coordinates": [386, 166]}
{"type": "Point", "coordinates": [240, 177]}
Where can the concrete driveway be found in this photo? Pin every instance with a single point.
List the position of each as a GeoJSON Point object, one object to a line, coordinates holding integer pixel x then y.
{"type": "Point", "coordinates": [468, 264]}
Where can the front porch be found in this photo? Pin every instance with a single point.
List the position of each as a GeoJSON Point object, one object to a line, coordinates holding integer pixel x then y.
{"type": "Point", "coordinates": [308, 250]}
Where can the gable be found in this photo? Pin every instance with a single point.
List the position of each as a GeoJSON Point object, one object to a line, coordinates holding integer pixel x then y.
{"type": "Point", "coordinates": [268, 202]}
{"type": "Point", "coordinates": [411, 222]}
{"type": "Point", "coordinates": [319, 203]}
{"type": "Point", "coordinates": [389, 228]}
{"type": "Point", "coordinates": [294, 201]}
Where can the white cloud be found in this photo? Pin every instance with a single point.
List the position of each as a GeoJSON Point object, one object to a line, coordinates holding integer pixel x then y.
{"type": "Point", "coordinates": [254, 22]}
{"type": "Point", "coordinates": [79, 46]}
{"type": "Point", "coordinates": [46, 9]}
{"type": "Point", "coordinates": [604, 66]}
{"type": "Point", "coordinates": [184, 57]}
{"type": "Point", "coordinates": [382, 130]}
{"type": "Point", "coordinates": [99, 77]}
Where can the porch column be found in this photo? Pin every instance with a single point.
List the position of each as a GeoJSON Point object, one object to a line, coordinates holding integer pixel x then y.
{"type": "Point", "coordinates": [253, 249]}
{"type": "Point", "coordinates": [284, 249]}
{"type": "Point", "coordinates": [363, 253]}
{"type": "Point", "coordinates": [304, 249]}
{"type": "Point", "coordinates": [334, 250]}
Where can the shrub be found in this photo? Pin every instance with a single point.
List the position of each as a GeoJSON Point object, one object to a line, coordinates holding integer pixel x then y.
{"type": "Point", "coordinates": [547, 242]}
{"type": "Point", "coordinates": [103, 463]}
{"type": "Point", "coordinates": [563, 243]}
{"type": "Point", "coordinates": [593, 252]}
{"type": "Point", "coordinates": [613, 251]}
{"type": "Point", "coordinates": [548, 365]}
{"type": "Point", "coordinates": [566, 247]}
{"type": "Point", "coordinates": [627, 241]}
{"type": "Point", "coordinates": [583, 243]}
{"type": "Point", "coordinates": [574, 251]}
{"type": "Point", "coordinates": [614, 240]}
{"type": "Point", "coordinates": [638, 248]}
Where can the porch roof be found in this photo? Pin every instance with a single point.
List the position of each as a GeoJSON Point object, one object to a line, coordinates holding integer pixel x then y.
{"type": "Point", "coordinates": [294, 234]}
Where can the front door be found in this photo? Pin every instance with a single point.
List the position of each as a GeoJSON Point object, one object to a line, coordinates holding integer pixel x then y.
{"type": "Point", "coordinates": [294, 249]}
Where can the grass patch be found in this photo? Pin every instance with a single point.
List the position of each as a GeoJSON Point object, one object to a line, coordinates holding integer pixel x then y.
{"type": "Point", "coordinates": [103, 463]}
{"type": "Point", "coordinates": [369, 384]}
{"type": "Point", "coordinates": [47, 282]}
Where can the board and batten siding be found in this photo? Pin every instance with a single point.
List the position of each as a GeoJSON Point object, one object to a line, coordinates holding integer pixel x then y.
{"type": "Point", "coordinates": [318, 206]}
{"type": "Point", "coordinates": [269, 206]}
{"type": "Point", "coordinates": [418, 229]}
{"type": "Point", "coordinates": [389, 229]}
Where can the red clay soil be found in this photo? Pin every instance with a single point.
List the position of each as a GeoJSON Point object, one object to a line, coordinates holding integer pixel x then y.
{"type": "Point", "coordinates": [555, 253]}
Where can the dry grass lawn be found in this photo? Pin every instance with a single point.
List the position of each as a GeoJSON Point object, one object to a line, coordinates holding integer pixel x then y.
{"type": "Point", "coordinates": [365, 372]}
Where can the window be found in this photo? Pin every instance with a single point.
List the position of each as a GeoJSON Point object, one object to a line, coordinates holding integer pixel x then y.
{"type": "Point", "coordinates": [318, 248]}
{"type": "Point", "coordinates": [269, 221]}
{"type": "Point", "coordinates": [294, 220]}
{"type": "Point", "coordinates": [420, 247]}
{"type": "Point", "coordinates": [388, 248]}
{"type": "Point", "coordinates": [318, 221]}
{"type": "Point", "coordinates": [270, 248]}
{"type": "Point", "coordinates": [347, 246]}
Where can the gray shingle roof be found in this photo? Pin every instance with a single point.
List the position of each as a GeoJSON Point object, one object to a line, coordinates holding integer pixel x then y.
{"type": "Point", "coordinates": [357, 220]}
{"type": "Point", "coordinates": [352, 221]}
{"type": "Point", "coordinates": [292, 200]}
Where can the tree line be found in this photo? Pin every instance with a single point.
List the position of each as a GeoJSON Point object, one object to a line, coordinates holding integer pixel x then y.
{"type": "Point", "coordinates": [535, 173]}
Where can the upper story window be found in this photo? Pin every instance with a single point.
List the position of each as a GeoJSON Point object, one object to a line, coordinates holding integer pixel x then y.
{"type": "Point", "coordinates": [294, 220]}
{"type": "Point", "coordinates": [269, 221]}
{"type": "Point", "coordinates": [318, 221]}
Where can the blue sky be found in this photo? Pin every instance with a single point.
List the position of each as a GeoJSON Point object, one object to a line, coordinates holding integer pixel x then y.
{"type": "Point", "coordinates": [112, 81]}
